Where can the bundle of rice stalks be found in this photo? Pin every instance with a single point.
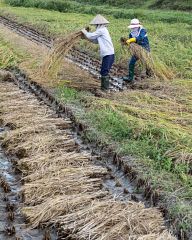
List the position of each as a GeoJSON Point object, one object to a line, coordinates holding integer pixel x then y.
{"type": "Point", "coordinates": [58, 206]}
{"type": "Point", "coordinates": [39, 143]}
{"type": "Point", "coordinates": [23, 133]}
{"type": "Point", "coordinates": [112, 220]}
{"type": "Point", "coordinates": [158, 69]}
{"type": "Point", "coordinates": [61, 184]}
{"type": "Point", "coordinates": [53, 171]}
{"type": "Point", "coordinates": [11, 95]}
{"type": "Point", "coordinates": [21, 119]}
{"type": "Point", "coordinates": [62, 46]}
{"type": "Point", "coordinates": [165, 235]}
{"type": "Point", "coordinates": [29, 116]}
{"type": "Point", "coordinates": [61, 159]}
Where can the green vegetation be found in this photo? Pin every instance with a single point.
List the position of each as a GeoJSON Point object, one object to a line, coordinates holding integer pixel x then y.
{"type": "Point", "coordinates": [79, 7]}
{"type": "Point", "coordinates": [9, 57]}
{"type": "Point", "coordinates": [176, 5]}
{"type": "Point", "coordinates": [65, 5]}
{"type": "Point", "coordinates": [167, 4]}
{"type": "Point", "coordinates": [154, 134]}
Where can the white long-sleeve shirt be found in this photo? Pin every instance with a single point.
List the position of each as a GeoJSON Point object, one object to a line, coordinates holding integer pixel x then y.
{"type": "Point", "coordinates": [102, 37]}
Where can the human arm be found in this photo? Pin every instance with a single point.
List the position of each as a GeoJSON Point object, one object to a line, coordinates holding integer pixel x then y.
{"type": "Point", "coordinates": [93, 37]}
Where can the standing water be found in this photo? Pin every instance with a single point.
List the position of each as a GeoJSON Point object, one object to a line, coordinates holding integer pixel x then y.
{"type": "Point", "coordinates": [12, 223]}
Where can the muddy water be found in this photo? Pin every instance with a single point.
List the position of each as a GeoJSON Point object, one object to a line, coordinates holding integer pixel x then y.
{"type": "Point", "coordinates": [12, 223]}
{"type": "Point", "coordinates": [119, 185]}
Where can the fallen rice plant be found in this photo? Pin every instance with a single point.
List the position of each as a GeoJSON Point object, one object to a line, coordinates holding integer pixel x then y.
{"type": "Point", "coordinates": [61, 159]}
{"type": "Point", "coordinates": [58, 206]}
{"type": "Point", "coordinates": [62, 183]}
{"type": "Point", "coordinates": [38, 143]}
{"type": "Point", "coordinates": [111, 220]}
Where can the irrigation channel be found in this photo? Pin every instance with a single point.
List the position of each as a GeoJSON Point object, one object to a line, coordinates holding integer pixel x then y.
{"type": "Point", "coordinates": [52, 176]}
{"type": "Point", "coordinates": [80, 58]}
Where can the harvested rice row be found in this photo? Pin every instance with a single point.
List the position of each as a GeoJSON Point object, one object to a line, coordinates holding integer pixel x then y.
{"type": "Point", "coordinates": [62, 185]}
{"type": "Point", "coordinates": [61, 159]}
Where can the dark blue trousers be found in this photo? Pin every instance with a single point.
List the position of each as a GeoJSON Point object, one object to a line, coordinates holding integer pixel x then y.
{"type": "Point", "coordinates": [107, 63]}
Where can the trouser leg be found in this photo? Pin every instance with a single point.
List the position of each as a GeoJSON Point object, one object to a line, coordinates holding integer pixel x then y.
{"type": "Point", "coordinates": [107, 63]}
{"type": "Point", "coordinates": [131, 66]}
{"type": "Point", "coordinates": [132, 63]}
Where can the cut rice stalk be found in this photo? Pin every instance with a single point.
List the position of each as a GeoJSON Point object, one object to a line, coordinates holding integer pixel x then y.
{"type": "Point", "coordinates": [62, 46]}
{"type": "Point", "coordinates": [57, 206]}
{"type": "Point", "coordinates": [158, 69]}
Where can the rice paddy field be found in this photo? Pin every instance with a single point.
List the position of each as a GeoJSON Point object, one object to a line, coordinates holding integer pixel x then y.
{"type": "Point", "coordinates": [151, 122]}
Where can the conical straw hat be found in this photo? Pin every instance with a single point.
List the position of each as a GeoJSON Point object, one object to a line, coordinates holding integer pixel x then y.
{"type": "Point", "coordinates": [98, 20]}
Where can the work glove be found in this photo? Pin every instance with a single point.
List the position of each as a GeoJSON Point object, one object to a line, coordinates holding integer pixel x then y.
{"type": "Point", "coordinates": [131, 40]}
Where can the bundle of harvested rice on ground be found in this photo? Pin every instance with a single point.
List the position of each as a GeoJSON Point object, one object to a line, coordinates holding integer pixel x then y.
{"type": "Point", "coordinates": [180, 155]}
{"type": "Point", "coordinates": [67, 184]}
{"type": "Point", "coordinates": [165, 235]}
{"type": "Point", "coordinates": [61, 159]}
{"type": "Point", "coordinates": [53, 171]}
{"type": "Point", "coordinates": [39, 143]}
{"type": "Point", "coordinates": [61, 47]}
{"type": "Point", "coordinates": [23, 133]}
{"type": "Point", "coordinates": [112, 220]}
{"type": "Point", "coordinates": [58, 206]}
{"type": "Point", "coordinates": [22, 116]}
{"type": "Point", "coordinates": [19, 119]}
{"type": "Point", "coordinates": [158, 69]}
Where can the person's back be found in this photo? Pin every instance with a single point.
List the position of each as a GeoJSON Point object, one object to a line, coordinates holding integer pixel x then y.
{"type": "Point", "coordinates": [104, 41]}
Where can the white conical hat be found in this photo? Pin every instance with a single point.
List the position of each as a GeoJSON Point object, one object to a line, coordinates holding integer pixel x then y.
{"type": "Point", "coordinates": [98, 20]}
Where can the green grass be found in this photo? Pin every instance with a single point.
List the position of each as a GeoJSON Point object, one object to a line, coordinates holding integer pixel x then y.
{"type": "Point", "coordinates": [176, 5]}
{"type": "Point", "coordinates": [166, 4]}
{"type": "Point", "coordinates": [9, 57]}
{"type": "Point", "coordinates": [64, 5]}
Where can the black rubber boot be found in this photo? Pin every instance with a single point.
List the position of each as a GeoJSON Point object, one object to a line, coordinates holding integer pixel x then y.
{"type": "Point", "coordinates": [104, 82]}
{"type": "Point", "coordinates": [130, 77]}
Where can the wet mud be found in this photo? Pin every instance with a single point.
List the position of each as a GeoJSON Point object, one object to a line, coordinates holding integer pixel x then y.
{"type": "Point", "coordinates": [13, 225]}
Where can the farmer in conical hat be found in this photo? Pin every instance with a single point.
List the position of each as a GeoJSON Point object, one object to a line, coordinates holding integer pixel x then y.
{"type": "Point", "coordinates": [102, 37]}
{"type": "Point", "coordinates": [137, 35]}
